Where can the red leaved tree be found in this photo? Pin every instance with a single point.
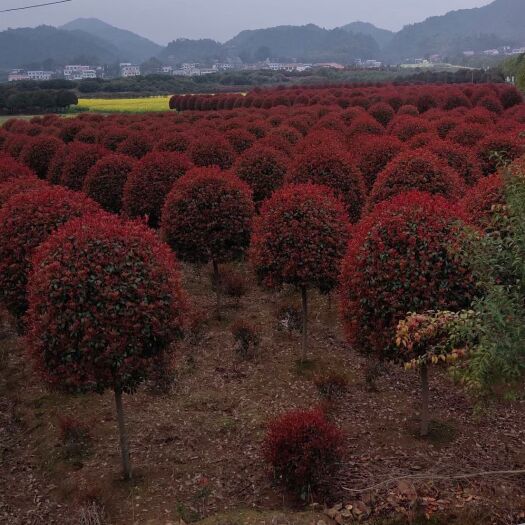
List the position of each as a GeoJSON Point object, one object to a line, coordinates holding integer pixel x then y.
{"type": "Point", "coordinates": [326, 164]}
{"type": "Point", "coordinates": [416, 170]}
{"type": "Point", "coordinates": [263, 168]}
{"type": "Point", "coordinates": [299, 239]}
{"type": "Point", "coordinates": [207, 217]}
{"type": "Point", "coordinates": [400, 259]}
{"type": "Point", "coordinates": [105, 181]}
{"type": "Point", "coordinates": [38, 153]}
{"type": "Point", "coordinates": [150, 182]}
{"type": "Point", "coordinates": [79, 159]}
{"type": "Point", "coordinates": [87, 337]}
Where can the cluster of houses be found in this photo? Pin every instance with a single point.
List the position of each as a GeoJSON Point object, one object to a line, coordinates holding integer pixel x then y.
{"type": "Point", "coordinates": [81, 72]}
{"type": "Point", "coordinates": [504, 51]}
{"type": "Point", "coordinates": [72, 72]}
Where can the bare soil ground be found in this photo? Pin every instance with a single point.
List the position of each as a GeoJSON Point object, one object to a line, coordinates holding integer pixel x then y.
{"type": "Point", "coordinates": [196, 449]}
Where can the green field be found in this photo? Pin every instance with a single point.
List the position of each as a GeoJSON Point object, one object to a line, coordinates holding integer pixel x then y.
{"type": "Point", "coordinates": [124, 105]}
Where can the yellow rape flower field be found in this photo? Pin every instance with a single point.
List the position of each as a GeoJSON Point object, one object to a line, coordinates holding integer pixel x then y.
{"type": "Point", "coordinates": [125, 105]}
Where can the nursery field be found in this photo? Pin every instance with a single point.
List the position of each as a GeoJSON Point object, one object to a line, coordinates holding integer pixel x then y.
{"type": "Point", "coordinates": [298, 306]}
{"type": "Point", "coordinates": [124, 105]}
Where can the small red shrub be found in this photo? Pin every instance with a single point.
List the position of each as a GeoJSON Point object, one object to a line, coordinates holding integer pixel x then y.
{"type": "Point", "coordinates": [136, 145]}
{"type": "Point", "coordinates": [303, 449]}
{"type": "Point", "coordinates": [299, 238]}
{"type": "Point", "coordinates": [479, 201]}
{"type": "Point", "coordinates": [326, 164]}
{"type": "Point", "coordinates": [416, 170]}
{"type": "Point", "coordinates": [105, 181]}
{"type": "Point", "coordinates": [459, 158]}
{"type": "Point", "coordinates": [467, 134]}
{"type": "Point", "coordinates": [208, 216]}
{"type": "Point", "coordinates": [38, 153]}
{"type": "Point", "coordinates": [12, 169]}
{"type": "Point", "coordinates": [263, 169]}
{"type": "Point", "coordinates": [375, 154]}
{"type": "Point", "coordinates": [79, 159]}
{"type": "Point", "coordinates": [239, 139]}
{"type": "Point", "coordinates": [150, 182]}
{"type": "Point", "coordinates": [69, 129]}
{"type": "Point", "coordinates": [382, 112]}
{"type": "Point", "coordinates": [407, 127]}
{"type": "Point", "coordinates": [175, 142]}
{"type": "Point", "coordinates": [496, 151]}
{"type": "Point", "coordinates": [211, 150]}
{"type": "Point", "coordinates": [20, 185]}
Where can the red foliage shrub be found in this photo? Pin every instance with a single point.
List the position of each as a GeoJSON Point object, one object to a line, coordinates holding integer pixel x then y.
{"type": "Point", "coordinates": [467, 134]}
{"type": "Point", "coordinates": [303, 448]}
{"type": "Point", "coordinates": [175, 142]}
{"type": "Point", "coordinates": [69, 129]}
{"type": "Point", "coordinates": [19, 185]}
{"type": "Point", "coordinates": [510, 97]}
{"type": "Point", "coordinates": [481, 198]}
{"type": "Point", "coordinates": [492, 104]}
{"type": "Point", "coordinates": [112, 330]}
{"type": "Point", "coordinates": [15, 143]}
{"type": "Point", "coordinates": [299, 238]}
{"type": "Point", "coordinates": [382, 112]}
{"type": "Point", "coordinates": [88, 135]}
{"type": "Point", "coordinates": [239, 139]}
{"type": "Point", "coordinates": [211, 150]}
{"type": "Point", "coordinates": [135, 145]}
{"type": "Point", "coordinates": [263, 169]}
{"type": "Point", "coordinates": [12, 169]}
{"type": "Point", "coordinates": [208, 216]}
{"type": "Point", "coordinates": [326, 164]}
{"type": "Point", "coordinates": [400, 259]}
{"type": "Point", "coordinates": [445, 125]}
{"type": "Point", "coordinates": [416, 170]}
{"type": "Point", "coordinates": [406, 127]}
{"type": "Point", "coordinates": [456, 100]}
{"type": "Point", "coordinates": [38, 153]}
{"type": "Point", "coordinates": [365, 125]}
{"type": "Point", "coordinates": [26, 220]}
{"type": "Point", "coordinates": [375, 154]}
{"type": "Point", "coordinates": [54, 171]}
{"type": "Point", "coordinates": [422, 140]}
{"type": "Point", "coordinates": [497, 150]}
{"type": "Point", "coordinates": [150, 182]}
{"type": "Point", "coordinates": [408, 109]}
{"type": "Point", "coordinates": [79, 159]}
{"type": "Point", "coordinates": [105, 181]}
{"type": "Point", "coordinates": [459, 158]}
{"type": "Point", "coordinates": [113, 137]}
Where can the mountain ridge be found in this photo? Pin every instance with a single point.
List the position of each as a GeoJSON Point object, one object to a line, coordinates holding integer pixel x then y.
{"type": "Point", "coordinates": [131, 46]}
{"type": "Point", "coordinates": [494, 25]}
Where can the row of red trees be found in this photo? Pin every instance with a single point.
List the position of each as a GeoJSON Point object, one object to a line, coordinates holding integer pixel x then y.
{"type": "Point", "coordinates": [382, 101]}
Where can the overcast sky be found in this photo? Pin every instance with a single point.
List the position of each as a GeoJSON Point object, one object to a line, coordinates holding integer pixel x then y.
{"type": "Point", "coordinates": [166, 20]}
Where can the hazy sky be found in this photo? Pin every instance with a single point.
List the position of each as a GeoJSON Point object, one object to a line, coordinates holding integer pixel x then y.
{"type": "Point", "coordinates": [165, 20]}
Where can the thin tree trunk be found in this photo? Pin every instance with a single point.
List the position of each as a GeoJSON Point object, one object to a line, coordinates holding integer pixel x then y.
{"type": "Point", "coordinates": [304, 296]}
{"type": "Point", "coordinates": [217, 279]}
{"type": "Point", "coordinates": [424, 400]}
{"type": "Point", "coordinates": [124, 444]}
